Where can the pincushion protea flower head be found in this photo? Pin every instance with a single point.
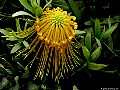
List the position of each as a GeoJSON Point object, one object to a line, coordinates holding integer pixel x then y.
{"type": "Point", "coordinates": [56, 29]}
{"type": "Point", "coordinates": [53, 43]}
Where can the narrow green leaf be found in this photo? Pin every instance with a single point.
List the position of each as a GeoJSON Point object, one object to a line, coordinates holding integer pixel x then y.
{"type": "Point", "coordinates": [86, 52]}
{"type": "Point", "coordinates": [75, 9]}
{"type": "Point", "coordinates": [8, 71]}
{"type": "Point", "coordinates": [98, 42]}
{"type": "Point", "coordinates": [94, 66]}
{"type": "Point", "coordinates": [97, 28]}
{"type": "Point", "coordinates": [3, 31]}
{"type": "Point", "coordinates": [38, 2]}
{"type": "Point", "coordinates": [95, 54]}
{"type": "Point", "coordinates": [88, 41]}
{"type": "Point", "coordinates": [18, 25]}
{"type": "Point", "coordinates": [79, 32]}
{"type": "Point", "coordinates": [25, 43]}
{"type": "Point", "coordinates": [110, 42]}
{"type": "Point", "coordinates": [109, 32]}
{"type": "Point", "coordinates": [15, 48]}
{"type": "Point", "coordinates": [22, 13]}
{"type": "Point", "coordinates": [110, 49]}
{"type": "Point", "coordinates": [47, 4]}
{"type": "Point", "coordinates": [26, 73]}
{"type": "Point", "coordinates": [109, 22]}
{"type": "Point", "coordinates": [109, 71]}
{"type": "Point", "coordinates": [12, 38]}
{"type": "Point", "coordinates": [27, 5]}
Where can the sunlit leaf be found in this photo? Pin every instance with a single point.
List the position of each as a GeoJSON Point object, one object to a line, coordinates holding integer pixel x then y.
{"type": "Point", "coordinates": [79, 32]}
{"type": "Point", "coordinates": [38, 2]}
{"type": "Point", "coordinates": [4, 82]}
{"type": "Point", "coordinates": [27, 5]}
{"type": "Point", "coordinates": [3, 31]}
{"type": "Point", "coordinates": [16, 79]}
{"type": "Point", "coordinates": [86, 52]}
{"type": "Point", "coordinates": [15, 48]}
{"type": "Point", "coordinates": [74, 87]}
{"type": "Point", "coordinates": [94, 66]}
{"type": "Point", "coordinates": [12, 38]}
{"type": "Point", "coordinates": [47, 4]}
{"type": "Point", "coordinates": [22, 13]}
{"type": "Point", "coordinates": [25, 43]}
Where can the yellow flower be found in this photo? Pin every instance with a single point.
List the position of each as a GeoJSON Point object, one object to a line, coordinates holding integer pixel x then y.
{"type": "Point", "coordinates": [53, 43]}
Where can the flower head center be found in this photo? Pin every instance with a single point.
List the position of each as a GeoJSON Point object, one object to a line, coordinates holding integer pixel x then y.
{"type": "Point", "coordinates": [58, 19]}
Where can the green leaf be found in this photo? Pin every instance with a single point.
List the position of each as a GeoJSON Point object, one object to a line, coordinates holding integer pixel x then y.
{"type": "Point", "coordinates": [3, 31]}
{"type": "Point", "coordinates": [16, 79]}
{"type": "Point", "coordinates": [74, 87]}
{"type": "Point", "coordinates": [18, 25]}
{"type": "Point", "coordinates": [47, 4]}
{"type": "Point", "coordinates": [8, 71]}
{"type": "Point", "coordinates": [60, 3]}
{"type": "Point", "coordinates": [26, 74]}
{"type": "Point", "coordinates": [38, 12]}
{"type": "Point", "coordinates": [94, 66]}
{"type": "Point", "coordinates": [109, 71]}
{"type": "Point", "coordinates": [38, 2]}
{"type": "Point", "coordinates": [95, 54]}
{"type": "Point", "coordinates": [15, 48]}
{"type": "Point", "coordinates": [22, 13]}
{"type": "Point", "coordinates": [97, 28]}
{"type": "Point", "coordinates": [31, 86]}
{"type": "Point", "coordinates": [34, 4]}
{"type": "Point", "coordinates": [86, 52]}
{"type": "Point", "coordinates": [25, 43]}
{"type": "Point", "coordinates": [4, 82]}
{"type": "Point", "coordinates": [98, 42]}
{"type": "Point", "coordinates": [109, 22]}
{"type": "Point", "coordinates": [109, 32]}
{"type": "Point", "coordinates": [12, 38]}
{"type": "Point", "coordinates": [88, 41]}
{"type": "Point", "coordinates": [16, 87]}
{"type": "Point", "coordinates": [43, 87]}
{"type": "Point", "coordinates": [75, 9]}
{"type": "Point", "coordinates": [27, 5]}
{"type": "Point", "coordinates": [79, 32]}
